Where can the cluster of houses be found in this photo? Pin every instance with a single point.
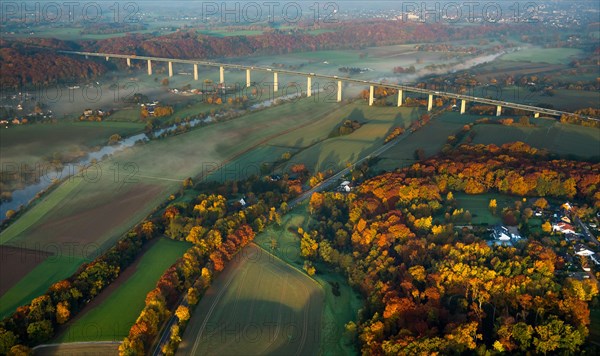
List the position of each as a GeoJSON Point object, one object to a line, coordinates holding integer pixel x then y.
{"type": "Point", "coordinates": [208, 89]}
{"type": "Point", "coordinates": [93, 115]}
{"type": "Point", "coordinates": [150, 106]}
{"type": "Point", "coordinates": [91, 112]}
{"type": "Point", "coordinates": [32, 117]}
{"type": "Point", "coordinates": [562, 223]}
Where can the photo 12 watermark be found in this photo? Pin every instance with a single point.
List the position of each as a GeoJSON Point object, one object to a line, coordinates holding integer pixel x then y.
{"type": "Point", "coordinates": [70, 12]}
{"type": "Point", "coordinates": [470, 11]}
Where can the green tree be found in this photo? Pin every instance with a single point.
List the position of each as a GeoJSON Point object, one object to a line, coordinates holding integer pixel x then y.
{"type": "Point", "coordinates": [7, 341]}
{"type": "Point", "coordinates": [555, 335]}
{"type": "Point", "coordinates": [309, 268]}
{"type": "Point", "coordinates": [40, 331]}
{"type": "Point", "coordinates": [325, 251]}
{"type": "Point", "coordinates": [308, 246]}
{"type": "Point", "coordinates": [522, 334]}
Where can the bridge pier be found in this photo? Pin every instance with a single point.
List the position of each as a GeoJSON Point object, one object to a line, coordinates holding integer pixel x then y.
{"type": "Point", "coordinates": [195, 71]}
{"type": "Point", "coordinates": [221, 75]}
{"type": "Point", "coordinates": [248, 78]}
{"type": "Point", "coordinates": [308, 86]}
{"type": "Point", "coordinates": [275, 82]}
{"type": "Point", "coordinates": [371, 98]}
{"type": "Point", "coordinates": [128, 62]}
{"type": "Point", "coordinates": [149, 67]}
{"type": "Point", "coordinates": [170, 69]}
{"type": "Point", "coordinates": [498, 110]}
{"type": "Point", "coordinates": [339, 92]}
{"type": "Point", "coordinates": [400, 97]}
{"type": "Point", "coordinates": [430, 102]}
{"type": "Point", "coordinates": [536, 115]}
{"type": "Point", "coordinates": [107, 58]}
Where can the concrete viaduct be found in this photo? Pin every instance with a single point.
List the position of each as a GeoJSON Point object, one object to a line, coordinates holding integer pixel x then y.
{"type": "Point", "coordinates": [537, 111]}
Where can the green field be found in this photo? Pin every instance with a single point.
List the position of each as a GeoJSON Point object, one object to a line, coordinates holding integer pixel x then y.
{"type": "Point", "coordinates": [313, 146]}
{"type": "Point", "coordinates": [113, 317]}
{"type": "Point", "coordinates": [225, 33]}
{"type": "Point", "coordinates": [563, 139]}
{"type": "Point", "coordinates": [96, 212]}
{"type": "Point", "coordinates": [544, 55]}
{"type": "Point", "coordinates": [104, 349]}
{"type": "Point", "coordinates": [73, 33]}
{"type": "Point", "coordinates": [336, 152]}
{"type": "Point", "coordinates": [478, 206]}
{"type": "Point", "coordinates": [126, 115]}
{"type": "Point", "coordinates": [37, 281]}
{"type": "Point", "coordinates": [30, 144]}
{"type": "Point", "coordinates": [338, 310]}
{"type": "Point", "coordinates": [563, 99]}
{"type": "Point", "coordinates": [38, 209]}
{"type": "Point", "coordinates": [430, 138]}
{"type": "Point", "coordinates": [257, 305]}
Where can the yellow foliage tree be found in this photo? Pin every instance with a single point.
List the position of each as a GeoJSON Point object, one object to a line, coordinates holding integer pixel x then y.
{"type": "Point", "coordinates": [62, 312]}
{"type": "Point", "coordinates": [547, 227]}
{"type": "Point", "coordinates": [183, 313]}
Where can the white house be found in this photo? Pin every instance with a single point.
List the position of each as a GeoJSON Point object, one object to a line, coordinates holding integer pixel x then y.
{"type": "Point", "coordinates": [504, 233]}
{"type": "Point", "coordinates": [344, 187]}
{"type": "Point", "coordinates": [582, 250]}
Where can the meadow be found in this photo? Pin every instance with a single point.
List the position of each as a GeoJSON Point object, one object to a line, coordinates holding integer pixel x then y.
{"type": "Point", "coordinates": [104, 349]}
{"type": "Point", "coordinates": [257, 305]}
{"type": "Point", "coordinates": [337, 310]}
{"type": "Point", "coordinates": [37, 143]}
{"type": "Point", "coordinates": [225, 33]}
{"type": "Point", "coordinates": [110, 316]}
{"type": "Point", "coordinates": [563, 99]}
{"type": "Point", "coordinates": [478, 206]}
{"type": "Point", "coordinates": [544, 55]}
{"type": "Point", "coordinates": [37, 280]}
{"type": "Point", "coordinates": [95, 209]}
{"type": "Point", "coordinates": [430, 138]}
{"type": "Point", "coordinates": [548, 134]}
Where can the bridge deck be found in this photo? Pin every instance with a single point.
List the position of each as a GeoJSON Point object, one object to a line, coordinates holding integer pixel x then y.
{"type": "Point", "coordinates": [503, 104]}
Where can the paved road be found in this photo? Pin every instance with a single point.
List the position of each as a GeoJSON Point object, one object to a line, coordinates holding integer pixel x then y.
{"type": "Point", "coordinates": [166, 331]}
{"type": "Point", "coordinates": [331, 180]}
{"type": "Point", "coordinates": [322, 186]}
{"type": "Point", "coordinates": [586, 231]}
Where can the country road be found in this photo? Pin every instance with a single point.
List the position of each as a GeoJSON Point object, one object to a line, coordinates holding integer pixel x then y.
{"type": "Point", "coordinates": [329, 181]}
{"type": "Point", "coordinates": [107, 348]}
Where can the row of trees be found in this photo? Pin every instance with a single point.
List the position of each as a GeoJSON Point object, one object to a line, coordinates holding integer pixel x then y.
{"type": "Point", "coordinates": [34, 66]}
{"type": "Point", "coordinates": [351, 34]}
{"type": "Point", "coordinates": [218, 228]}
{"type": "Point", "coordinates": [35, 323]}
{"type": "Point", "coordinates": [430, 288]}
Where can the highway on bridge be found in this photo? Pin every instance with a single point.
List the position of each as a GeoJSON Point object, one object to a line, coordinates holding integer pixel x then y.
{"type": "Point", "coordinates": [466, 98]}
